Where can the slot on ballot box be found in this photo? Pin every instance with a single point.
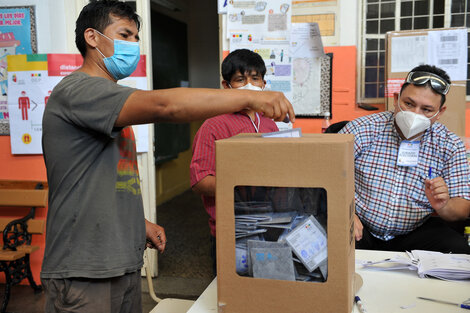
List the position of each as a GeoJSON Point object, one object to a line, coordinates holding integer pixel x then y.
{"type": "Point", "coordinates": [285, 240]}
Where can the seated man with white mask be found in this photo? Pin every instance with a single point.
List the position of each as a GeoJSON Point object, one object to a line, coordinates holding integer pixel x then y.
{"type": "Point", "coordinates": [241, 69]}
{"type": "Point", "coordinates": [407, 167]}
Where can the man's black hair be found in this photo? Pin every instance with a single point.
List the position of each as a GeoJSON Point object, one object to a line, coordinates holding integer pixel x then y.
{"type": "Point", "coordinates": [430, 69]}
{"type": "Point", "coordinates": [242, 60]}
{"type": "Point", "coordinates": [97, 15]}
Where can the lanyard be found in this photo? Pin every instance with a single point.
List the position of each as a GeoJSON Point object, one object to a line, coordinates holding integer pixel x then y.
{"type": "Point", "coordinates": [259, 121]}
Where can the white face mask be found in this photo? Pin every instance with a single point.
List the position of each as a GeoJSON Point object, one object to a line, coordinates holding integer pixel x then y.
{"type": "Point", "coordinates": [411, 123]}
{"type": "Point", "coordinates": [249, 86]}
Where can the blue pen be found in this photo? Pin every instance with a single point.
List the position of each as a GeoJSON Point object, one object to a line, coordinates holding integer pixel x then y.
{"type": "Point", "coordinates": [359, 304]}
{"type": "Point", "coordinates": [460, 305]}
{"type": "Point", "coordinates": [430, 173]}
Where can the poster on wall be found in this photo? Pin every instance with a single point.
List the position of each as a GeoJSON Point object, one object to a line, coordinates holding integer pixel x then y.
{"type": "Point", "coordinates": [222, 6]}
{"type": "Point", "coordinates": [17, 36]}
{"type": "Point", "coordinates": [311, 83]}
{"type": "Point", "coordinates": [264, 27]}
{"type": "Point", "coordinates": [28, 91]}
{"type": "Point", "coordinates": [31, 80]}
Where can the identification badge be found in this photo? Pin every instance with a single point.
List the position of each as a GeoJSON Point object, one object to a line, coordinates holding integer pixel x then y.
{"type": "Point", "coordinates": [408, 153]}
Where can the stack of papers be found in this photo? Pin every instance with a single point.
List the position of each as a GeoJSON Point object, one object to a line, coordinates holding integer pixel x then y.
{"type": "Point", "coordinates": [428, 263]}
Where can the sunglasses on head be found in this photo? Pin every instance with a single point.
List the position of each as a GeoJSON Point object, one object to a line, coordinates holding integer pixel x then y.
{"type": "Point", "coordinates": [438, 84]}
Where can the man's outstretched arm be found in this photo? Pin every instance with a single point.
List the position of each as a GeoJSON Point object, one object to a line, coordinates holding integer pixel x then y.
{"type": "Point", "coordinates": [192, 104]}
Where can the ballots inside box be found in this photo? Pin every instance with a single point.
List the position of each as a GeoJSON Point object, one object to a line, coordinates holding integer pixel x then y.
{"type": "Point", "coordinates": [261, 244]}
{"type": "Point", "coordinates": [275, 217]}
{"type": "Point", "coordinates": [272, 263]}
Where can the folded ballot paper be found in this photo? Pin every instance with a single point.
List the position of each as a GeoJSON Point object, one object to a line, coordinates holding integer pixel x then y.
{"type": "Point", "coordinates": [308, 241]}
{"type": "Point", "coordinates": [428, 263]}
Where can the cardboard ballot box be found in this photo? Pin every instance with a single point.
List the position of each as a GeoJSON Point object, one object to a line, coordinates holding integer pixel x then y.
{"type": "Point", "coordinates": [285, 194]}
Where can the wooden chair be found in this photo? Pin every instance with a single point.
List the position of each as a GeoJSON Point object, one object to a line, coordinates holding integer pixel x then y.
{"type": "Point", "coordinates": [17, 232]}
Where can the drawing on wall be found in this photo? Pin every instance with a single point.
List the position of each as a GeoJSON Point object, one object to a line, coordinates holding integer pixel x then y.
{"type": "Point", "coordinates": [311, 83]}
{"type": "Point", "coordinates": [264, 27]}
{"type": "Point", "coordinates": [17, 36]}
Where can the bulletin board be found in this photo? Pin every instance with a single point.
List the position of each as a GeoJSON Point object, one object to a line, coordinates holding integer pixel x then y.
{"type": "Point", "coordinates": [445, 48]}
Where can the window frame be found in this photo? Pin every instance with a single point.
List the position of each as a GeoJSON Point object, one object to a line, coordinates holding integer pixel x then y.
{"type": "Point", "coordinates": [363, 37]}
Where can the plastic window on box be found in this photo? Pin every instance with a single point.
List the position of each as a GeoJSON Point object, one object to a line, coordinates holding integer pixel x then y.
{"type": "Point", "coordinates": [281, 233]}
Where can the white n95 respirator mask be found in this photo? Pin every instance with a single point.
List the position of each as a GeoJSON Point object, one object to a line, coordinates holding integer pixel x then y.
{"type": "Point", "coordinates": [411, 123]}
{"type": "Point", "coordinates": [249, 86]}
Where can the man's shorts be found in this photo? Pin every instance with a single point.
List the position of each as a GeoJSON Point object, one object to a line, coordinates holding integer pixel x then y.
{"type": "Point", "coordinates": [85, 295]}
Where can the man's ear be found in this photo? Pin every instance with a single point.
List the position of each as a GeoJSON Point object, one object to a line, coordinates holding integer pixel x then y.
{"type": "Point", "coordinates": [90, 37]}
{"type": "Point", "coordinates": [441, 111]}
{"type": "Point", "coordinates": [395, 99]}
{"type": "Point", "coordinates": [225, 84]}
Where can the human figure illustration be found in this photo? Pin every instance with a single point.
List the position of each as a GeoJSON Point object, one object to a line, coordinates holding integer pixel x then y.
{"type": "Point", "coordinates": [24, 105]}
{"type": "Point", "coordinates": [46, 98]}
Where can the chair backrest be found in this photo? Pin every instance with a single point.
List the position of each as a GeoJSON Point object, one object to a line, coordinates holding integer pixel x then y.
{"type": "Point", "coordinates": [23, 193]}
{"type": "Point", "coordinates": [35, 226]}
{"type": "Point", "coordinates": [336, 127]}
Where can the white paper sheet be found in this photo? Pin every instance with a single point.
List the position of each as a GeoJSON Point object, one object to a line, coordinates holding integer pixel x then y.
{"type": "Point", "coordinates": [306, 41]}
{"type": "Point", "coordinates": [448, 50]}
{"type": "Point", "coordinates": [288, 133]}
{"type": "Point", "coordinates": [408, 52]}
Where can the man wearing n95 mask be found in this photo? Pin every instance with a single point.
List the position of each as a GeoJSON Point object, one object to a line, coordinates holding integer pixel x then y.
{"type": "Point", "coordinates": [241, 69]}
{"type": "Point", "coordinates": [409, 166]}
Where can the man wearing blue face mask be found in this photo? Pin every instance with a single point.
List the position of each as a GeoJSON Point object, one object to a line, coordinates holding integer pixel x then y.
{"type": "Point", "coordinates": [407, 167]}
{"type": "Point", "coordinates": [242, 70]}
{"type": "Point", "coordinates": [96, 231]}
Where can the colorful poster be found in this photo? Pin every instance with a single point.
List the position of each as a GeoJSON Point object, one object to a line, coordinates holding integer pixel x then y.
{"type": "Point", "coordinates": [31, 81]}
{"type": "Point", "coordinates": [264, 27]}
{"type": "Point", "coordinates": [17, 36]}
{"type": "Point", "coordinates": [28, 86]}
{"type": "Point", "coordinates": [222, 6]}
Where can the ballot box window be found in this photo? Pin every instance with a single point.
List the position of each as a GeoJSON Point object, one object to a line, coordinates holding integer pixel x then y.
{"type": "Point", "coordinates": [281, 233]}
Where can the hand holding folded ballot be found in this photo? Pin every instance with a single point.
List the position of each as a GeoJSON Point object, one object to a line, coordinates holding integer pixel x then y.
{"type": "Point", "coordinates": [272, 104]}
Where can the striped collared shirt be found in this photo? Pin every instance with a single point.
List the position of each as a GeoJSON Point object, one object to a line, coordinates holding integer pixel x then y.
{"type": "Point", "coordinates": [390, 199]}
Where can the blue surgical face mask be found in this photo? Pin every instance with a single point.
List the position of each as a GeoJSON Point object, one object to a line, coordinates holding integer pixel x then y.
{"type": "Point", "coordinates": [124, 60]}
